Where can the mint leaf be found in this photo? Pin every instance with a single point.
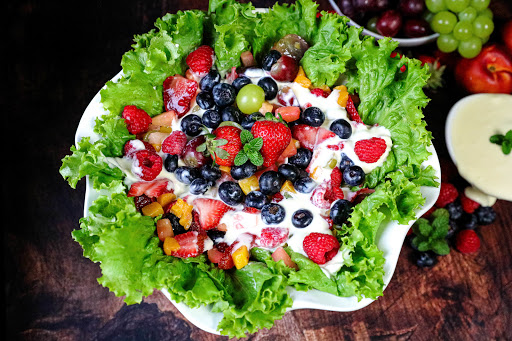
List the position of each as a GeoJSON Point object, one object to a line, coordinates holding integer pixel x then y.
{"type": "Point", "coordinates": [256, 158]}
{"type": "Point", "coordinates": [506, 147]}
{"type": "Point", "coordinates": [246, 136]}
{"type": "Point", "coordinates": [431, 233]}
{"type": "Point", "coordinates": [256, 144]}
{"type": "Point", "coordinates": [240, 158]}
{"type": "Point", "coordinates": [505, 141]}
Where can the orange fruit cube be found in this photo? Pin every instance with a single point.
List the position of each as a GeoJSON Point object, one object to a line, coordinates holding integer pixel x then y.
{"type": "Point", "coordinates": [153, 210]}
{"type": "Point", "coordinates": [170, 245]}
{"type": "Point", "coordinates": [241, 257]}
{"type": "Point", "coordinates": [249, 184]}
{"type": "Point", "coordinates": [302, 79]}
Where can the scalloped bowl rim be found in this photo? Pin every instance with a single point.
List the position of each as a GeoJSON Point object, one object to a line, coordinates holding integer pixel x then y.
{"type": "Point", "coordinates": [404, 42]}
{"type": "Point", "coordinates": [390, 239]}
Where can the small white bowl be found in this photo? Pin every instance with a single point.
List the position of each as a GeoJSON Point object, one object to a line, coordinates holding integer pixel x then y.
{"type": "Point", "coordinates": [404, 42]}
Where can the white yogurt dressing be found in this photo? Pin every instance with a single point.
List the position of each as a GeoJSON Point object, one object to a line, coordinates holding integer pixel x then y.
{"type": "Point", "coordinates": [243, 227]}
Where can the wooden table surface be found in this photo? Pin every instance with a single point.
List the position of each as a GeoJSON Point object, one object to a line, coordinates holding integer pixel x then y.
{"type": "Point", "coordinates": [58, 57]}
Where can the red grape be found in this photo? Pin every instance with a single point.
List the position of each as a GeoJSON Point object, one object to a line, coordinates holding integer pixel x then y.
{"type": "Point", "coordinates": [291, 45]}
{"type": "Point", "coordinates": [415, 28]}
{"type": "Point", "coordinates": [191, 156]}
{"type": "Point", "coordinates": [285, 69]}
{"type": "Point", "coordinates": [389, 23]}
{"type": "Point", "coordinates": [411, 8]}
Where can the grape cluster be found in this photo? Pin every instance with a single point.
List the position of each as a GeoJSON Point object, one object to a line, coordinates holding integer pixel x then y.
{"type": "Point", "coordinates": [463, 25]}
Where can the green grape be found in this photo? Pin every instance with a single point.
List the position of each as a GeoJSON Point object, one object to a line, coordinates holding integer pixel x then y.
{"type": "Point", "coordinates": [480, 5]}
{"type": "Point", "coordinates": [483, 26]}
{"type": "Point", "coordinates": [463, 30]}
{"type": "Point", "coordinates": [447, 43]}
{"type": "Point", "coordinates": [443, 22]}
{"type": "Point", "coordinates": [371, 25]}
{"type": "Point", "coordinates": [468, 14]}
{"type": "Point", "coordinates": [486, 13]}
{"type": "Point", "coordinates": [250, 98]}
{"type": "Point", "coordinates": [427, 15]}
{"type": "Point", "coordinates": [485, 39]}
{"type": "Point", "coordinates": [435, 6]}
{"type": "Point", "coordinates": [456, 5]}
{"type": "Point", "coordinates": [470, 48]}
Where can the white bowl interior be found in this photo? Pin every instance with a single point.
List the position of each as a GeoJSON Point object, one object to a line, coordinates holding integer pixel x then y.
{"type": "Point", "coordinates": [389, 239]}
{"type": "Point", "coordinates": [404, 42]}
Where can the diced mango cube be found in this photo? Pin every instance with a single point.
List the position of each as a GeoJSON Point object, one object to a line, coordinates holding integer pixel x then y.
{"type": "Point", "coordinates": [249, 184]}
{"type": "Point", "coordinates": [266, 107]}
{"type": "Point", "coordinates": [241, 257]}
{"type": "Point", "coordinates": [166, 198]}
{"type": "Point", "coordinates": [316, 173]}
{"type": "Point", "coordinates": [287, 187]}
{"type": "Point", "coordinates": [343, 97]}
{"type": "Point", "coordinates": [166, 129]}
{"type": "Point", "coordinates": [225, 169]}
{"type": "Point", "coordinates": [183, 210]}
{"type": "Point", "coordinates": [302, 79]}
{"type": "Point", "coordinates": [170, 245]}
{"type": "Point", "coordinates": [153, 210]}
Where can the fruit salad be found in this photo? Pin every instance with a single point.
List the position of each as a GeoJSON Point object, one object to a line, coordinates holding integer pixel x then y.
{"type": "Point", "coordinates": [227, 173]}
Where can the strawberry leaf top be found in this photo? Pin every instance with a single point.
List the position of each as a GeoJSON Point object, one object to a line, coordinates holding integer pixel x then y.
{"type": "Point", "coordinates": [251, 149]}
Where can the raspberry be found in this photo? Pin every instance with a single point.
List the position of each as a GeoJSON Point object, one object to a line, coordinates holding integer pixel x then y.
{"type": "Point", "coordinates": [174, 143]}
{"type": "Point", "coordinates": [272, 236]}
{"type": "Point", "coordinates": [319, 93]}
{"type": "Point", "coordinates": [201, 60]}
{"type": "Point", "coordinates": [370, 150]}
{"type": "Point", "coordinates": [467, 241]}
{"type": "Point", "coordinates": [333, 194]}
{"type": "Point", "coordinates": [468, 205]}
{"type": "Point", "coordinates": [142, 200]}
{"type": "Point", "coordinates": [336, 177]}
{"type": "Point", "coordinates": [320, 247]}
{"type": "Point", "coordinates": [447, 195]}
{"type": "Point", "coordinates": [132, 146]}
{"type": "Point", "coordinates": [137, 120]}
{"type": "Point", "coordinates": [146, 164]}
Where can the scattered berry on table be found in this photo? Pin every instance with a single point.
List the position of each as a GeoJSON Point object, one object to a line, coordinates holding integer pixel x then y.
{"type": "Point", "coordinates": [448, 194]}
{"type": "Point", "coordinates": [486, 215]}
{"type": "Point", "coordinates": [454, 209]}
{"type": "Point", "coordinates": [468, 205]}
{"type": "Point", "coordinates": [469, 221]}
{"type": "Point", "coordinates": [425, 259]}
{"type": "Point", "coordinates": [137, 120]}
{"type": "Point", "coordinates": [320, 247]}
{"type": "Point", "coordinates": [467, 241]}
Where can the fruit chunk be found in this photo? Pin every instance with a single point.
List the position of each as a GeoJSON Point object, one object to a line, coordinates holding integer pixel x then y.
{"type": "Point", "coordinates": [164, 229]}
{"type": "Point", "coordinates": [280, 254]}
{"type": "Point", "coordinates": [320, 247]}
{"type": "Point", "coordinates": [289, 114]}
{"type": "Point", "coordinates": [170, 245]}
{"type": "Point", "coordinates": [343, 96]}
{"type": "Point", "coordinates": [191, 244]}
{"type": "Point", "coordinates": [249, 184]}
{"type": "Point", "coordinates": [241, 257]}
{"type": "Point", "coordinates": [153, 210]}
{"type": "Point", "coordinates": [271, 237]}
{"type": "Point", "coordinates": [287, 187]}
{"type": "Point", "coordinates": [302, 79]}
{"type": "Point", "coordinates": [183, 210]}
{"type": "Point", "coordinates": [146, 164]}
{"type": "Point", "coordinates": [165, 119]}
{"type": "Point", "coordinates": [210, 212]}
{"type": "Point", "coordinates": [165, 199]}
{"type": "Point", "coordinates": [137, 120]}
{"type": "Point", "coordinates": [178, 92]}
{"type": "Point", "coordinates": [370, 150]}
{"type": "Point", "coordinates": [201, 60]}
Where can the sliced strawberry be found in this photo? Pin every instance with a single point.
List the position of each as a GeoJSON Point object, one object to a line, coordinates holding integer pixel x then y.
{"type": "Point", "coordinates": [157, 188]}
{"type": "Point", "coordinates": [191, 244]}
{"type": "Point", "coordinates": [271, 237]}
{"type": "Point", "coordinates": [319, 92]}
{"type": "Point", "coordinates": [336, 177]}
{"type": "Point", "coordinates": [289, 114]}
{"type": "Point", "coordinates": [289, 151]}
{"type": "Point", "coordinates": [174, 143]}
{"type": "Point", "coordinates": [201, 60]}
{"type": "Point", "coordinates": [178, 92]}
{"type": "Point", "coordinates": [210, 212]}
{"type": "Point", "coordinates": [322, 135]}
{"type": "Point", "coordinates": [138, 188]}
{"type": "Point", "coordinates": [306, 135]}
{"type": "Point", "coordinates": [352, 111]}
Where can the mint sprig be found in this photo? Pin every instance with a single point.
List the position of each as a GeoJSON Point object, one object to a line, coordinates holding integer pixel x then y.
{"type": "Point", "coordinates": [250, 150]}
{"type": "Point", "coordinates": [431, 234]}
{"type": "Point", "coordinates": [505, 141]}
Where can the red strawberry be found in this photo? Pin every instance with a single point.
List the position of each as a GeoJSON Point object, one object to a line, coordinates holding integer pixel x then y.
{"type": "Point", "coordinates": [276, 137]}
{"type": "Point", "coordinates": [277, 197]}
{"type": "Point", "coordinates": [178, 92]}
{"type": "Point", "coordinates": [210, 212]}
{"type": "Point", "coordinates": [201, 60]}
{"type": "Point", "coordinates": [174, 143]}
{"type": "Point", "coordinates": [322, 135]}
{"type": "Point", "coordinates": [152, 189]}
{"type": "Point", "coordinates": [468, 205]}
{"type": "Point", "coordinates": [132, 146]}
{"type": "Point", "coordinates": [306, 135]}
{"type": "Point", "coordinates": [230, 77]}
{"type": "Point", "coordinates": [352, 111]}
{"type": "Point", "coordinates": [370, 150]}
{"type": "Point", "coordinates": [271, 237]}
{"type": "Point", "coordinates": [146, 164]}
{"type": "Point", "coordinates": [320, 247]}
{"type": "Point", "coordinates": [336, 177]}
{"type": "Point", "coordinates": [319, 92]}
{"type": "Point", "coordinates": [447, 194]}
{"type": "Point", "coordinates": [137, 120]}
{"type": "Point", "coordinates": [233, 146]}
{"type": "Point", "coordinates": [467, 241]}
{"type": "Point", "coordinates": [191, 244]}
{"type": "Point", "coordinates": [251, 210]}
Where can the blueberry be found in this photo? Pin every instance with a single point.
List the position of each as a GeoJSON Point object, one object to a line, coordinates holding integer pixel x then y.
{"type": "Point", "coordinates": [199, 186]}
{"type": "Point", "coordinates": [171, 163]}
{"type": "Point", "coordinates": [270, 182]}
{"type": "Point", "coordinates": [211, 79]}
{"type": "Point", "coordinates": [211, 118]}
{"type": "Point", "coordinates": [231, 114]}
{"type": "Point", "coordinates": [256, 199]}
{"type": "Point", "coordinates": [353, 175]}
{"type": "Point", "coordinates": [248, 120]}
{"type": "Point", "coordinates": [302, 218]}
{"type": "Point", "coordinates": [313, 116]}
{"type": "Point", "coordinates": [304, 185]}
{"type": "Point", "coordinates": [215, 235]}
{"type": "Point", "coordinates": [191, 124]}
{"type": "Point", "coordinates": [485, 215]}
{"type": "Point", "coordinates": [341, 128]}
{"type": "Point", "coordinates": [177, 228]}
{"type": "Point", "coordinates": [469, 221]}
{"type": "Point", "coordinates": [455, 210]}
{"type": "Point", "coordinates": [269, 86]}
{"type": "Point", "coordinates": [288, 171]}
{"type": "Point", "coordinates": [210, 173]}
{"type": "Point", "coordinates": [186, 174]}
{"type": "Point", "coordinates": [302, 158]}
{"type": "Point", "coordinates": [345, 162]}
{"type": "Point", "coordinates": [205, 101]}
{"type": "Point", "coordinates": [340, 211]}
{"type": "Point", "coordinates": [231, 193]}
{"type": "Point", "coordinates": [240, 82]}
{"type": "Point", "coordinates": [454, 227]}
{"type": "Point", "coordinates": [244, 171]}
{"type": "Point", "coordinates": [224, 94]}
{"type": "Point", "coordinates": [270, 59]}
{"type": "Point", "coordinates": [425, 259]}
{"type": "Point", "coordinates": [273, 213]}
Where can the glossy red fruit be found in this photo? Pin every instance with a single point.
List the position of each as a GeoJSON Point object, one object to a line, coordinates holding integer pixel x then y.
{"type": "Point", "coordinates": [416, 27]}
{"type": "Point", "coordinates": [507, 35]}
{"type": "Point", "coordinates": [286, 97]}
{"type": "Point", "coordinates": [191, 244]}
{"type": "Point", "coordinates": [285, 69]}
{"type": "Point", "coordinates": [467, 241]}
{"type": "Point", "coordinates": [370, 150]}
{"type": "Point", "coordinates": [174, 143]}
{"type": "Point", "coordinates": [137, 120]}
{"type": "Point", "coordinates": [389, 23]}
{"type": "Point", "coordinates": [320, 247]}
{"type": "Point", "coordinates": [291, 45]}
{"type": "Point", "coordinates": [178, 92]}
{"type": "Point", "coordinates": [276, 137]}
{"type": "Point", "coordinates": [233, 146]}
{"type": "Point", "coordinates": [146, 164]}
{"type": "Point", "coordinates": [191, 156]}
{"type": "Point", "coordinates": [489, 72]}
{"type": "Point", "coordinates": [210, 212]}
{"type": "Point", "coordinates": [201, 60]}
{"type": "Point", "coordinates": [271, 237]}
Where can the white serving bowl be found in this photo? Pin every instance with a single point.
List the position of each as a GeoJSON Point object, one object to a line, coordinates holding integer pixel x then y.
{"type": "Point", "coordinates": [389, 239]}
{"type": "Point", "coordinates": [404, 42]}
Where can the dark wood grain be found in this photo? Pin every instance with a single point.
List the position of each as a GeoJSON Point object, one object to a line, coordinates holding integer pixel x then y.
{"type": "Point", "coordinates": [59, 55]}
